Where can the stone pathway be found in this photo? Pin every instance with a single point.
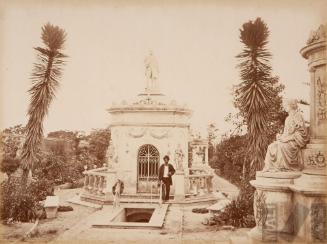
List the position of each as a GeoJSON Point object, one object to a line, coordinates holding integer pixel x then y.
{"type": "Point", "coordinates": [223, 185]}
{"type": "Point", "coordinates": [181, 224]}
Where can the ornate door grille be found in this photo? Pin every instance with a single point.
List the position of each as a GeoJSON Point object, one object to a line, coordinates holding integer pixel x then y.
{"type": "Point", "coordinates": [148, 163]}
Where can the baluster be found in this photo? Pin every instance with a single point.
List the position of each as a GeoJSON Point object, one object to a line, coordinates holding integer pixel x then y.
{"type": "Point", "coordinates": [90, 185]}
{"type": "Point", "coordinates": [190, 185]}
{"type": "Point", "coordinates": [104, 184]}
{"type": "Point", "coordinates": [210, 183]}
{"type": "Point", "coordinates": [100, 186]}
{"type": "Point", "coordinates": [96, 183]}
{"type": "Point", "coordinates": [203, 182]}
{"type": "Point", "coordinates": [86, 182]}
{"type": "Point", "coordinates": [205, 179]}
{"type": "Point", "coordinates": [196, 184]}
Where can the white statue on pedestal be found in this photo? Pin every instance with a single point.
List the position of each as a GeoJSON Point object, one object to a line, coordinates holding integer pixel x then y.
{"type": "Point", "coordinates": [151, 72]}
{"type": "Point", "coordinates": [284, 154]}
{"type": "Point", "coordinates": [197, 154]}
{"type": "Point", "coordinates": [179, 157]}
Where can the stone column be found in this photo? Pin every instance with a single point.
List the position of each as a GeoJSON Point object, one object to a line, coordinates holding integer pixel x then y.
{"type": "Point", "coordinates": [310, 193]}
{"type": "Point", "coordinates": [111, 178]}
{"type": "Point", "coordinates": [315, 153]}
{"type": "Point", "coordinates": [179, 181]}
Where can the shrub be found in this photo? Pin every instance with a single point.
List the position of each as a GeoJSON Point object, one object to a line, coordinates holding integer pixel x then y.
{"type": "Point", "coordinates": [9, 165]}
{"type": "Point", "coordinates": [18, 204]}
{"type": "Point", "coordinates": [239, 213]}
{"type": "Point", "coordinates": [229, 158]}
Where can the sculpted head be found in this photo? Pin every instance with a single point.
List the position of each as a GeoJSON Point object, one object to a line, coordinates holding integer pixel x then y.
{"type": "Point", "coordinates": [290, 105]}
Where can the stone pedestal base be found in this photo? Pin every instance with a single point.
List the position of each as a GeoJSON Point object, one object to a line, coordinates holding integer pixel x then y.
{"type": "Point", "coordinates": [310, 204]}
{"type": "Point", "coordinates": [111, 179]}
{"type": "Point", "coordinates": [273, 205]}
{"type": "Point", "coordinates": [51, 212]}
{"type": "Point", "coordinates": [290, 206]}
{"type": "Point", "coordinates": [179, 181]}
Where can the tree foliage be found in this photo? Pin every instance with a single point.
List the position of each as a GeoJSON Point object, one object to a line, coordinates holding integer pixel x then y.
{"type": "Point", "coordinates": [45, 81]}
{"type": "Point", "coordinates": [20, 199]}
{"type": "Point", "coordinates": [99, 142]}
{"type": "Point", "coordinates": [253, 95]}
{"type": "Point", "coordinates": [228, 158]}
{"type": "Point", "coordinates": [212, 137]}
{"type": "Point", "coordinates": [10, 144]}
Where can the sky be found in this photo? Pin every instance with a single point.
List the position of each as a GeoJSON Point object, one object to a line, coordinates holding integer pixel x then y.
{"type": "Point", "coordinates": [195, 45]}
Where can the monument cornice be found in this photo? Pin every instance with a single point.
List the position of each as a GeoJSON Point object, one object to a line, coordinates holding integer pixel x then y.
{"type": "Point", "coordinates": [149, 109]}
{"type": "Point", "coordinates": [313, 47]}
{"type": "Point", "coordinates": [180, 125]}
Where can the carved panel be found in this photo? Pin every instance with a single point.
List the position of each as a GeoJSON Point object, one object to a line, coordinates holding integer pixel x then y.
{"type": "Point", "coordinates": [159, 134]}
{"type": "Point", "coordinates": [318, 222]}
{"type": "Point", "coordinates": [260, 208]}
{"type": "Point", "coordinates": [321, 102]}
{"type": "Point", "coordinates": [137, 132]}
{"type": "Point", "coordinates": [314, 158]}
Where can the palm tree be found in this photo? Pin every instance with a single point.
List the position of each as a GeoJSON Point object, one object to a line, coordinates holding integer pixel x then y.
{"type": "Point", "coordinates": [252, 95]}
{"type": "Point", "coordinates": [45, 80]}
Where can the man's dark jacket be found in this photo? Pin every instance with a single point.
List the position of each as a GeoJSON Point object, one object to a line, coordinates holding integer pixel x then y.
{"type": "Point", "coordinates": [171, 170]}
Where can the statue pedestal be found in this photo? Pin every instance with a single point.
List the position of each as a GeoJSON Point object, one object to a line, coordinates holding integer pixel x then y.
{"type": "Point", "coordinates": [310, 206]}
{"type": "Point", "coordinates": [273, 205]}
{"type": "Point", "coordinates": [110, 181]}
{"type": "Point", "coordinates": [179, 181]}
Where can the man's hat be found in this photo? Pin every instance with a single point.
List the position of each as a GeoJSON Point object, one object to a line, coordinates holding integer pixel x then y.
{"type": "Point", "coordinates": [166, 157]}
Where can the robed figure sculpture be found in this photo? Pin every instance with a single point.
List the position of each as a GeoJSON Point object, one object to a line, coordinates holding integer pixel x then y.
{"type": "Point", "coordinates": [284, 154]}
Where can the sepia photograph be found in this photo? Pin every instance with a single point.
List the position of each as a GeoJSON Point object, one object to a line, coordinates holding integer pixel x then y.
{"type": "Point", "coordinates": [163, 121]}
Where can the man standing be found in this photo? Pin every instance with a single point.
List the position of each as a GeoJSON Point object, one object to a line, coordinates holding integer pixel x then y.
{"type": "Point", "coordinates": [166, 170]}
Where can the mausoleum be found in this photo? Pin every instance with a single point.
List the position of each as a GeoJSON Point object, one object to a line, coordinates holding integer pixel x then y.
{"type": "Point", "coordinates": [143, 130]}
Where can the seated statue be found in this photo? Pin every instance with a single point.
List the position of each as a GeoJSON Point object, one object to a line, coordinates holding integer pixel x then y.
{"type": "Point", "coordinates": [284, 154]}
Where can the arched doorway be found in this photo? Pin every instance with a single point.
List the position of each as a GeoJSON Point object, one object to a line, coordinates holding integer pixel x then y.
{"type": "Point", "coordinates": [147, 168]}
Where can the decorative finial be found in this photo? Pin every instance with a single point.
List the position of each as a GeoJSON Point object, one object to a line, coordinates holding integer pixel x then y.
{"type": "Point", "coordinates": [318, 35]}
{"type": "Point", "coordinates": [151, 73]}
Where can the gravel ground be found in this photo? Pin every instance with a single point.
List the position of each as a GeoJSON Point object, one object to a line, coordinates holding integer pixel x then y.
{"type": "Point", "coordinates": [181, 224]}
{"type": "Point", "coordinates": [49, 229]}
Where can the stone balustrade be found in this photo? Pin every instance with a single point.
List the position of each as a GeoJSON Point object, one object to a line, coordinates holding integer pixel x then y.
{"type": "Point", "coordinates": [199, 183]}
{"type": "Point", "coordinates": [95, 181]}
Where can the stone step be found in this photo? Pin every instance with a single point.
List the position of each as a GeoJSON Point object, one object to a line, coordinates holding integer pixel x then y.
{"type": "Point", "coordinates": [76, 200]}
{"type": "Point", "coordinates": [172, 201]}
{"type": "Point", "coordinates": [240, 240]}
{"type": "Point", "coordinates": [149, 196]}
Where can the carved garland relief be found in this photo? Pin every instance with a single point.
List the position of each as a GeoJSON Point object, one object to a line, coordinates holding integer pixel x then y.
{"type": "Point", "coordinates": [321, 100]}
{"type": "Point", "coordinates": [155, 133]}
{"type": "Point", "coordinates": [137, 133]}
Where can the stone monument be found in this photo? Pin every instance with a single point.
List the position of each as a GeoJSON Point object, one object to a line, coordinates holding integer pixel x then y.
{"type": "Point", "coordinates": [290, 202]}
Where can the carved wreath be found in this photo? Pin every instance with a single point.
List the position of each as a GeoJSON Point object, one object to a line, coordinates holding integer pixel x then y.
{"type": "Point", "coordinates": [159, 135]}
{"type": "Point", "coordinates": [260, 208]}
{"type": "Point", "coordinates": [137, 133]}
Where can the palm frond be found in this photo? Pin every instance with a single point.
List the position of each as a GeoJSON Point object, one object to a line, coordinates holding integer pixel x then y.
{"type": "Point", "coordinates": [45, 81]}
{"type": "Point", "coordinates": [253, 95]}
